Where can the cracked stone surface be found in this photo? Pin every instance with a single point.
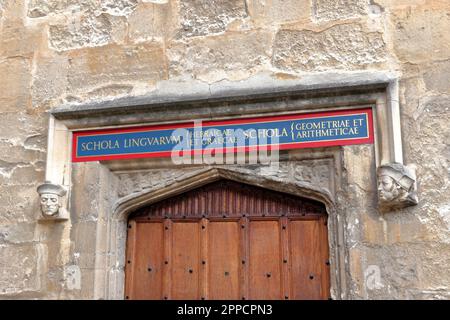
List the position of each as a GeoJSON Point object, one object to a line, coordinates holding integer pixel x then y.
{"type": "Point", "coordinates": [81, 32]}
{"type": "Point", "coordinates": [339, 9]}
{"type": "Point", "coordinates": [203, 17]}
{"type": "Point", "coordinates": [236, 55]}
{"type": "Point", "coordinates": [344, 46]}
{"type": "Point", "coordinates": [39, 9]}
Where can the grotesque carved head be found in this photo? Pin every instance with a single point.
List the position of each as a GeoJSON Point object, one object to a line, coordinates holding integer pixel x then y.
{"type": "Point", "coordinates": [50, 204]}
{"type": "Point", "coordinates": [396, 185]}
{"type": "Point", "coordinates": [50, 198]}
{"type": "Point", "coordinates": [387, 187]}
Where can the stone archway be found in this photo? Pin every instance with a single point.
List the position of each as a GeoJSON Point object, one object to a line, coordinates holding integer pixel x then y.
{"type": "Point", "coordinates": [110, 281]}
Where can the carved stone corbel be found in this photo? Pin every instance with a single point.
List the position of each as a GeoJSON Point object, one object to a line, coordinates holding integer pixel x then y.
{"type": "Point", "coordinates": [397, 181]}
{"type": "Point", "coordinates": [396, 186]}
{"type": "Point", "coordinates": [52, 201]}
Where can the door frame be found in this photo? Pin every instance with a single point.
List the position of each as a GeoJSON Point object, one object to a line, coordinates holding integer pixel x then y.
{"type": "Point", "coordinates": [129, 204]}
{"type": "Point", "coordinates": [204, 218]}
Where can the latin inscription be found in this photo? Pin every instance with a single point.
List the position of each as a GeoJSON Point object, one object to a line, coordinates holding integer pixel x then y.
{"type": "Point", "coordinates": [338, 128]}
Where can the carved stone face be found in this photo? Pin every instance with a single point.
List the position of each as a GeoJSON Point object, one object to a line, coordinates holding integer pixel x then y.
{"type": "Point", "coordinates": [50, 204]}
{"type": "Point", "coordinates": [387, 188]}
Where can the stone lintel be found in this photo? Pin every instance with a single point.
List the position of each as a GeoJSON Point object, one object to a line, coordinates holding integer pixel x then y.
{"type": "Point", "coordinates": [261, 87]}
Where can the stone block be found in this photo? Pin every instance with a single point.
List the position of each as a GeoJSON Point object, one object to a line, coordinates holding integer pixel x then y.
{"type": "Point", "coordinates": [87, 283]}
{"type": "Point", "coordinates": [19, 173]}
{"type": "Point", "coordinates": [95, 196]}
{"type": "Point", "coordinates": [399, 265]}
{"type": "Point", "coordinates": [339, 9]}
{"type": "Point", "coordinates": [152, 21]}
{"type": "Point", "coordinates": [265, 12]}
{"type": "Point", "coordinates": [421, 34]}
{"type": "Point", "coordinates": [230, 56]}
{"type": "Point", "coordinates": [118, 7]}
{"type": "Point", "coordinates": [40, 8]}
{"type": "Point", "coordinates": [94, 67]}
{"type": "Point", "coordinates": [119, 29]}
{"type": "Point", "coordinates": [437, 76]}
{"type": "Point", "coordinates": [435, 260]}
{"type": "Point", "coordinates": [17, 154]}
{"type": "Point", "coordinates": [15, 84]}
{"type": "Point", "coordinates": [372, 229]}
{"type": "Point", "coordinates": [18, 269]}
{"type": "Point", "coordinates": [49, 79]}
{"type": "Point", "coordinates": [16, 127]}
{"type": "Point", "coordinates": [411, 267]}
{"type": "Point", "coordinates": [360, 167]}
{"type": "Point", "coordinates": [25, 45]}
{"type": "Point", "coordinates": [84, 237]}
{"type": "Point", "coordinates": [36, 142]}
{"type": "Point", "coordinates": [355, 264]}
{"type": "Point", "coordinates": [17, 233]}
{"type": "Point", "coordinates": [403, 229]}
{"type": "Point", "coordinates": [206, 17]}
{"type": "Point", "coordinates": [314, 172]}
{"type": "Point", "coordinates": [80, 31]}
{"type": "Point", "coordinates": [18, 204]}
{"type": "Point", "coordinates": [428, 135]}
{"type": "Point", "coordinates": [344, 46]}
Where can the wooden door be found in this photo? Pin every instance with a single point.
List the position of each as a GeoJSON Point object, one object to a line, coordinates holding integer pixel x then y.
{"type": "Point", "coordinates": [228, 240]}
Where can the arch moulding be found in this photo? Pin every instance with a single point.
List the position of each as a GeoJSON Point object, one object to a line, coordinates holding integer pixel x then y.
{"type": "Point", "coordinates": [112, 278]}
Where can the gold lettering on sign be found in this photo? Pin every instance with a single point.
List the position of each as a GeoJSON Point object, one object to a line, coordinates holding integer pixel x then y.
{"type": "Point", "coordinates": [151, 141]}
{"type": "Point", "coordinates": [100, 145]}
{"type": "Point", "coordinates": [326, 128]}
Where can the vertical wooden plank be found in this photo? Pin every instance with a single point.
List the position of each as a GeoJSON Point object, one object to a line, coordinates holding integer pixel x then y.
{"type": "Point", "coordinates": [131, 249]}
{"type": "Point", "coordinates": [147, 265]}
{"type": "Point", "coordinates": [305, 257]}
{"type": "Point", "coordinates": [325, 258]}
{"type": "Point", "coordinates": [285, 278]}
{"type": "Point", "coordinates": [244, 252]}
{"type": "Point", "coordinates": [223, 260]}
{"type": "Point", "coordinates": [224, 201]}
{"type": "Point", "coordinates": [265, 255]}
{"type": "Point", "coordinates": [167, 268]}
{"type": "Point", "coordinates": [185, 260]}
{"type": "Point", "coordinates": [204, 260]}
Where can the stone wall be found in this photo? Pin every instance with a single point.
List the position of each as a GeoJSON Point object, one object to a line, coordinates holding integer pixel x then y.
{"type": "Point", "coordinates": [58, 51]}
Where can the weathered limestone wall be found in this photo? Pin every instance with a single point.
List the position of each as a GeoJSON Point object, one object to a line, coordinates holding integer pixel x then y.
{"type": "Point", "coordinates": [57, 51]}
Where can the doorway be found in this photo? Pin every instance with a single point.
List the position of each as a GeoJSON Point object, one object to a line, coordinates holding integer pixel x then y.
{"type": "Point", "coordinates": [228, 240]}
